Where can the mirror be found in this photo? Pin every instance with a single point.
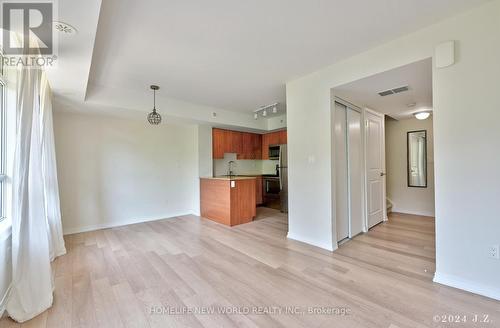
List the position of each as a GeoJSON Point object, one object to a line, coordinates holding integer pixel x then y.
{"type": "Point", "coordinates": [417, 159]}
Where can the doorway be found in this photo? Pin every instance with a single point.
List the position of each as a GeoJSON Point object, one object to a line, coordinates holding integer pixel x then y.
{"type": "Point", "coordinates": [397, 182]}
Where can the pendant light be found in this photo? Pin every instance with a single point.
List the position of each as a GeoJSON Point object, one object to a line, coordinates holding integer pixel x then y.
{"type": "Point", "coordinates": [154, 118]}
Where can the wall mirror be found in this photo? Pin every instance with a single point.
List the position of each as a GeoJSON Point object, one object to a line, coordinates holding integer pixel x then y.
{"type": "Point", "coordinates": [417, 159]}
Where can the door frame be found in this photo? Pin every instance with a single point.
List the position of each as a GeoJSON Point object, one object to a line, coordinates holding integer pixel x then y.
{"type": "Point", "coordinates": [384, 179]}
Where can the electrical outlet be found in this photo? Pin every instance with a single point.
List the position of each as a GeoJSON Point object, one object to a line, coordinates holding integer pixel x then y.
{"type": "Point", "coordinates": [493, 252]}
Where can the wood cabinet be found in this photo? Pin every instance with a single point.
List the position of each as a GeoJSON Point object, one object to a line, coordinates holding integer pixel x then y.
{"type": "Point", "coordinates": [246, 145]}
{"type": "Point", "coordinates": [273, 138]}
{"type": "Point", "coordinates": [228, 201]}
{"type": "Point", "coordinates": [259, 199]}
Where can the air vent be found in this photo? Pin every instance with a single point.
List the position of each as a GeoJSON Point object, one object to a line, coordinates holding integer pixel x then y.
{"type": "Point", "coordinates": [401, 89]}
{"type": "Point", "coordinates": [386, 93]}
{"type": "Point", "coordinates": [394, 91]}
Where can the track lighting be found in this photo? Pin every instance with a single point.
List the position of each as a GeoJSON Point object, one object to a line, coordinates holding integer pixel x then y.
{"type": "Point", "coordinates": [273, 108]}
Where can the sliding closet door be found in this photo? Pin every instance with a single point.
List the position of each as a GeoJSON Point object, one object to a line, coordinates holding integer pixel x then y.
{"type": "Point", "coordinates": [341, 179]}
{"type": "Point", "coordinates": [355, 169]}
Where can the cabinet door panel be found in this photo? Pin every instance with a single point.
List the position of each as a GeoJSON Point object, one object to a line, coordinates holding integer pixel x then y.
{"type": "Point", "coordinates": [265, 146]}
{"type": "Point", "coordinates": [236, 142]}
{"type": "Point", "coordinates": [218, 143]}
{"type": "Point", "coordinates": [257, 146]}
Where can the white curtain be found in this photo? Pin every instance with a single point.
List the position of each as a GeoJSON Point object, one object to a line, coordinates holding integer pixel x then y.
{"type": "Point", "coordinates": [36, 223]}
{"type": "Point", "coordinates": [49, 171]}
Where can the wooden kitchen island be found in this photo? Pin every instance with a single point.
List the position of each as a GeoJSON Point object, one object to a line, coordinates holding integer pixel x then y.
{"type": "Point", "coordinates": [228, 200]}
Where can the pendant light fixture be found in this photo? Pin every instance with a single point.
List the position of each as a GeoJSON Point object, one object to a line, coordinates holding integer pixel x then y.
{"type": "Point", "coordinates": [154, 118]}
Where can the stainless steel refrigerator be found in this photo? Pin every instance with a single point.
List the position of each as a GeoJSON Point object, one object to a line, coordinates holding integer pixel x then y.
{"type": "Point", "coordinates": [283, 174]}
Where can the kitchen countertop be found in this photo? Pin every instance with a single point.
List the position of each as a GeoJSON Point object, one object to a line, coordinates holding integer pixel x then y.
{"type": "Point", "coordinates": [230, 178]}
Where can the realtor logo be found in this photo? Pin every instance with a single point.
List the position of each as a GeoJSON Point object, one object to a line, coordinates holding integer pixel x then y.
{"type": "Point", "coordinates": [32, 23]}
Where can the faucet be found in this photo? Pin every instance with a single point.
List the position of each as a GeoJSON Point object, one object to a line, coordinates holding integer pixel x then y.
{"type": "Point", "coordinates": [230, 168]}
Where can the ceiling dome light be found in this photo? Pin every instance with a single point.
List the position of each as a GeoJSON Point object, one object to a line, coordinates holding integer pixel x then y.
{"type": "Point", "coordinates": [154, 118]}
{"type": "Point", "coordinates": [422, 115]}
{"type": "Point", "coordinates": [275, 109]}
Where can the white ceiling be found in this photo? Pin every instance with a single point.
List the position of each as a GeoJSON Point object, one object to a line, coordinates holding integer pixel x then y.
{"type": "Point", "coordinates": [418, 76]}
{"type": "Point", "coordinates": [237, 55]}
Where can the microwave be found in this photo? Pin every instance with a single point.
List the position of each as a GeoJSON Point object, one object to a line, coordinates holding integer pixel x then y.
{"type": "Point", "coordinates": [274, 152]}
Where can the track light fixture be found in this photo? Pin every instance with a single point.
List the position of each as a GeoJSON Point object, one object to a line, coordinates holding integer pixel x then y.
{"type": "Point", "coordinates": [264, 110]}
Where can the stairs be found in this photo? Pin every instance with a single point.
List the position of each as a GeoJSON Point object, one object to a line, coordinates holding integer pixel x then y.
{"type": "Point", "coordinates": [389, 205]}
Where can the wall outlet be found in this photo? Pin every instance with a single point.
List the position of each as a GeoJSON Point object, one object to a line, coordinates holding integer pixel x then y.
{"type": "Point", "coordinates": [493, 252]}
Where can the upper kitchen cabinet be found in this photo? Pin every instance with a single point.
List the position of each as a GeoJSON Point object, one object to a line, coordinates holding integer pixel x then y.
{"type": "Point", "coordinates": [245, 145]}
{"type": "Point", "coordinates": [273, 138]}
{"type": "Point", "coordinates": [220, 142]}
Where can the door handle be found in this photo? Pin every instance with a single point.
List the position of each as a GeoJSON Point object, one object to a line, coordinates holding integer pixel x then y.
{"type": "Point", "coordinates": [382, 174]}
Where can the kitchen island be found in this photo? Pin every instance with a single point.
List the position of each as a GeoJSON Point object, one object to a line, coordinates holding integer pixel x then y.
{"type": "Point", "coordinates": [228, 200]}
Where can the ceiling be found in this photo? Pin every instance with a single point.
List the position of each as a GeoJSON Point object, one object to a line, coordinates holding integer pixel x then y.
{"type": "Point", "coordinates": [418, 76]}
{"type": "Point", "coordinates": [237, 55]}
{"type": "Point", "coordinates": [225, 54]}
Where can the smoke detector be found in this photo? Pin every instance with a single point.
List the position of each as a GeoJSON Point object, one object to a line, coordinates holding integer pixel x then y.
{"type": "Point", "coordinates": [64, 28]}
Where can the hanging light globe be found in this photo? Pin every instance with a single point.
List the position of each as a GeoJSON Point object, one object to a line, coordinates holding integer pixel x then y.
{"type": "Point", "coordinates": [154, 118]}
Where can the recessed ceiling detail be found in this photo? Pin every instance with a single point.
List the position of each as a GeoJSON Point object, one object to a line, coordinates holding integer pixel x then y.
{"type": "Point", "coordinates": [237, 55]}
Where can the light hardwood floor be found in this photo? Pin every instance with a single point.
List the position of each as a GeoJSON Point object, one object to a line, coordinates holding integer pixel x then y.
{"type": "Point", "coordinates": [113, 278]}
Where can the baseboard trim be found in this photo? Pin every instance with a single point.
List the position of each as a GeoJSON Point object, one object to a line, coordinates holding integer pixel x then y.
{"type": "Point", "coordinates": [94, 227]}
{"type": "Point", "coordinates": [395, 210]}
{"type": "Point", "coordinates": [467, 285]}
{"type": "Point", "coordinates": [3, 302]}
{"type": "Point", "coordinates": [327, 246]}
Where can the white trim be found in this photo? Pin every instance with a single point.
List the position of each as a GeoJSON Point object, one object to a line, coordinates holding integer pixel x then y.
{"type": "Point", "coordinates": [3, 302]}
{"type": "Point", "coordinates": [327, 246]}
{"type": "Point", "coordinates": [419, 213]}
{"type": "Point", "coordinates": [5, 230]}
{"type": "Point", "coordinates": [93, 227]}
{"type": "Point", "coordinates": [467, 285]}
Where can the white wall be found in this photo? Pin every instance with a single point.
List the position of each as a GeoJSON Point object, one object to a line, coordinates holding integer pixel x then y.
{"type": "Point", "coordinates": [466, 137]}
{"type": "Point", "coordinates": [117, 171]}
{"type": "Point", "coordinates": [419, 201]}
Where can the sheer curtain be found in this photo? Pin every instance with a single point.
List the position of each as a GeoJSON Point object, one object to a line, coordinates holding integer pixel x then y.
{"type": "Point", "coordinates": [36, 221]}
{"type": "Point", "coordinates": [49, 171]}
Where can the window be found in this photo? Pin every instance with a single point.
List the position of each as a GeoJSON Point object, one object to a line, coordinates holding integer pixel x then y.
{"type": "Point", "coordinates": [3, 141]}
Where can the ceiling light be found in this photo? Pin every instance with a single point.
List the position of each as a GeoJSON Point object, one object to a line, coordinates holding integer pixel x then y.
{"type": "Point", "coordinates": [154, 118]}
{"type": "Point", "coordinates": [273, 108]}
{"type": "Point", "coordinates": [422, 115]}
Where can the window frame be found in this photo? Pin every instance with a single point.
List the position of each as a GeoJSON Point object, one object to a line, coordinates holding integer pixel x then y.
{"type": "Point", "coordinates": [3, 140]}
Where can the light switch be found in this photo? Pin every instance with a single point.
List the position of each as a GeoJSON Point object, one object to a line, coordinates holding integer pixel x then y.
{"type": "Point", "coordinates": [233, 184]}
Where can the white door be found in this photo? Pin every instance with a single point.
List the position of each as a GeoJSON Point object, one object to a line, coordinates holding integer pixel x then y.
{"type": "Point", "coordinates": [341, 189]}
{"type": "Point", "coordinates": [356, 171]}
{"type": "Point", "coordinates": [375, 167]}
